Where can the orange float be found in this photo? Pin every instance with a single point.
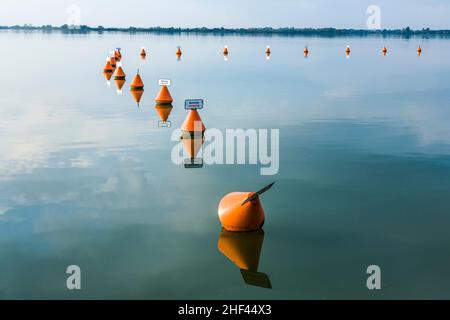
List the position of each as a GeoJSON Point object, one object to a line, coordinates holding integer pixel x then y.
{"type": "Point", "coordinates": [164, 111]}
{"type": "Point", "coordinates": [192, 138]}
{"type": "Point", "coordinates": [113, 61]}
{"type": "Point", "coordinates": [384, 51]}
{"type": "Point", "coordinates": [179, 53]}
{"type": "Point", "coordinates": [419, 50]}
{"type": "Point", "coordinates": [242, 211]}
{"type": "Point", "coordinates": [117, 54]}
{"type": "Point", "coordinates": [244, 250]}
{"type": "Point", "coordinates": [225, 50]}
{"type": "Point", "coordinates": [142, 53]}
{"type": "Point", "coordinates": [306, 52]}
{"type": "Point", "coordinates": [163, 96]}
{"type": "Point", "coordinates": [347, 50]}
{"type": "Point", "coordinates": [137, 83]}
{"type": "Point", "coordinates": [108, 67]}
{"type": "Point", "coordinates": [119, 74]}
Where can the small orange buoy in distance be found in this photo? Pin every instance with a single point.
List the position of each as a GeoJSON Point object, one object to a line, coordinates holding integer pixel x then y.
{"type": "Point", "coordinates": [119, 74]}
{"type": "Point", "coordinates": [419, 50]}
{"type": "Point", "coordinates": [117, 55]}
{"type": "Point", "coordinates": [306, 51]}
{"type": "Point", "coordinates": [268, 52]}
{"type": "Point", "coordinates": [113, 61]}
{"type": "Point", "coordinates": [108, 67]}
{"type": "Point", "coordinates": [384, 51]}
{"type": "Point", "coordinates": [225, 50]}
{"type": "Point", "coordinates": [137, 84]}
{"type": "Point", "coordinates": [179, 53]}
{"type": "Point", "coordinates": [143, 53]}
{"type": "Point", "coordinates": [242, 211]}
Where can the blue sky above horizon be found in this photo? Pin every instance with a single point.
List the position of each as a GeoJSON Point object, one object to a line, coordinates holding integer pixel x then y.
{"type": "Point", "coordinates": [231, 13]}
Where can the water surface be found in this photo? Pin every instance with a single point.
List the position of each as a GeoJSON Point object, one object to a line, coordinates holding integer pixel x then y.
{"type": "Point", "coordinates": [86, 176]}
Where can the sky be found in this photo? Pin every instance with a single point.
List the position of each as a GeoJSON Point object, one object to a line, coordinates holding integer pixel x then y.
{"type": "Point", "coordinates": [227, 13]}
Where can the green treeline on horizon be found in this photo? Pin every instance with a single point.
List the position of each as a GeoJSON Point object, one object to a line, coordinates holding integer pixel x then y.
{"type": "Point", "coordinates": [326, 32]}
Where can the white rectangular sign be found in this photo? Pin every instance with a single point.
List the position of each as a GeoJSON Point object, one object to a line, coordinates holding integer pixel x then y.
{"type": "Point", "coordinates": [192, 104]}
{"type": "Point", "coordinates": [164, 82]}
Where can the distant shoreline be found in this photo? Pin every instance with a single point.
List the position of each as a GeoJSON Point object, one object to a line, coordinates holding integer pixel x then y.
{"type": "Point", "coordinates": [265, 31]}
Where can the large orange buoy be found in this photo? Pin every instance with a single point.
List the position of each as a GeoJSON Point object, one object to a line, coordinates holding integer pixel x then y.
{"type": "Point", "coordinates": [244, 250]}
{"type": "Point", "coordinates": [163, 96]}
{"type": "Point", "coordinates": [225, 50]}
{"type": "Point", "coordinates": [108, 67]}
{"type": "Point", "coordinates": [384, 51]}
{"type": "Point", "coordinates": [119, 74]}
{"type": "Point", "coordinates": [164, 112]}
{"type": "Point", "coordinates": [306, 52]}
{"type": "Point", "coordinates": [242, 211]}
{"type": "Point", "coordinates": [137, 83]}
{"type": "Point", "coordinates": [347, 50]}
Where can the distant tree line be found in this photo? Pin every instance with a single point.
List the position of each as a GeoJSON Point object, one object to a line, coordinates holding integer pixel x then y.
{"type": "Point", "coordinates": [266, 31]}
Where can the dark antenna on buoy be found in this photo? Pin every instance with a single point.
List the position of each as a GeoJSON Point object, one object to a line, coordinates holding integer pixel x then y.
{"type": "Point", "coordinates": [258, 193]}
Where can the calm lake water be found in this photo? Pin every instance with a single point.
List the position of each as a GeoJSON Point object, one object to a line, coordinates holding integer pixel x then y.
{"type": "Point", "coordinates": [86, 176]}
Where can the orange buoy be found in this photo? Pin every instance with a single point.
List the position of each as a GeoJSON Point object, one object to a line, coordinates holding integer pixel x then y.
{"type": "Point", "coordinates": [119, 74]}
{"type": "Point", "coordinates": [137, 83]}
{"type": "Point", "coordinates": [384, 51]}
{"type": "Point", "coordinates": [164, 111]}
{"type": "Point", "coordinates": [117, 54]}
{"type": "Point", "coordinates": [137, 95]}
{"type": "Point", "coordinates": [143, 53]}
{"type": "Point", "coordinates": [193, 123]}
{"type": "Point", "coordinates": [193, 137]}
{"type": "Point", "coordinates": [179, 53]}
{"type": "Point", "coordinates": [163, 96]}
{"type": "Point", "coordinates": [113, 61]}
{"type": "Point", "coordinates": [306, 51]}
{"type": "Point", "coordinates": [419, 50]}
{"type": "Point", "coordinates": [108, 67]}
{"type": "Point", "coordinates": [268, 50]}
{"type": "Point", "coordinates": [242, 211]}
{"type": "Point", "coordinates": [244, 250]}
{"type": "Point", "coordinates": [225, 50]}
{"type": "Point", "coordinates": [347, 50]}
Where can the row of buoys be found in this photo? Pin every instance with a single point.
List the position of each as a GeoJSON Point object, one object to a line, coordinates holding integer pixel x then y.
{"type": "Point", "coordinates": [240, 213]}
{"type": "Point", "coordinates": [116, 56]}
